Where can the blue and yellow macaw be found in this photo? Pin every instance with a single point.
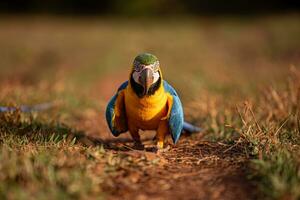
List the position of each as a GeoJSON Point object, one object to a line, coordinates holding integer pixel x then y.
{"type": "Point", "coordinates": [147, 102]}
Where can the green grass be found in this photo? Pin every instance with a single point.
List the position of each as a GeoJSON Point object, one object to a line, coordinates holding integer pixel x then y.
{"type": "Point", "coordinates": [238, 79]}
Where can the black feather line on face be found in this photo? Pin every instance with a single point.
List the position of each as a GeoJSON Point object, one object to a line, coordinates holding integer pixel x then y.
{"type": "Point", "coordinates": [139, 90]}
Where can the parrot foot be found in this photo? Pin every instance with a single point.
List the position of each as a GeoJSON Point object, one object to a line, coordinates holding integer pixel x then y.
{"type": "Point", "coordinates": [138, 146]}
{"type": "Point", "coordinates": [160, 145]}
{"type": "Point", "coordinates": [162, 150]}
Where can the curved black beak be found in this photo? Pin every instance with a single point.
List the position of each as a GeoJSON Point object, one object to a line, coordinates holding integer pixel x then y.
{"type": "Point", "coordinates": [146, 79]}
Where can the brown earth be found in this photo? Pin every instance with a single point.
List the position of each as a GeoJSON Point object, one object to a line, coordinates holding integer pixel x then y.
{"type": "Point", "coordinates": [193, 169]}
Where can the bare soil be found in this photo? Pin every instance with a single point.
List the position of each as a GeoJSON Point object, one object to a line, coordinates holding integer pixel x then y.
{"type": "Point", "coordinates": [191, 169]}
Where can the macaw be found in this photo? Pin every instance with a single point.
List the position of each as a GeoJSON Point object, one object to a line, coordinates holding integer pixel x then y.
{"type": "Point", "coordinates": [147, 102]}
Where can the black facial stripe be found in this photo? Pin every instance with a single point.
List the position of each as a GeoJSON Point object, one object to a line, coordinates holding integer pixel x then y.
{"type": "Point", "coordinates": [154, 87]}
{"type": "Point", "coordinates": [139, 90]}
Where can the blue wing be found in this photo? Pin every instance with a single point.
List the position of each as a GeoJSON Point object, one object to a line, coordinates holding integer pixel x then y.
{"type": "Point", "coordinates": [110, 114]}
{"type": "Point", "coordinates": [176, 118]}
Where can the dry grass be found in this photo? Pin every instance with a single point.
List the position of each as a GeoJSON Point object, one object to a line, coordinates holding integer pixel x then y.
{"type": "Point", "coordinates": [237, 87]}
{"type": "Point", "coordinates": [272, 130]}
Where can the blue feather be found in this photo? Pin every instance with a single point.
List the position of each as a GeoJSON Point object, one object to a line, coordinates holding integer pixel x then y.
{"type": "Point", "coordinates": [170, 89]}
{"type": "Point", "coordinates": [189, 128]}
{"type": "Point", "coordinates": [176, 121]}
{"type": "Point", "coordinates": [176, 116]}
{"type": "Point", "coordinates": [110, 111]}
{"type": "Point", "coordinates": [123, 86]}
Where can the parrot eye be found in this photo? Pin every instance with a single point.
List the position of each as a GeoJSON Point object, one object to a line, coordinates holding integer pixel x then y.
{"type": "Point", "coordinates": [137, 66]}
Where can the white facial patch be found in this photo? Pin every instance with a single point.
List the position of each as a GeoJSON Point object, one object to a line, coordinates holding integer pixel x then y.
{"type": "Point", "coordinates": [155, 77]}
{"type": "Point", "coordinates": [136, 76]}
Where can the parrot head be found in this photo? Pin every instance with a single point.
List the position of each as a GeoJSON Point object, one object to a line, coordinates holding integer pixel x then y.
{"type": "Point", "coordinates": [145, 77]}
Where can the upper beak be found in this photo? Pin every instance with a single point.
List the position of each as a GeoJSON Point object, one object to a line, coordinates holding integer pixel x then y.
{"type": "Point", "coordinates": [146, 79]}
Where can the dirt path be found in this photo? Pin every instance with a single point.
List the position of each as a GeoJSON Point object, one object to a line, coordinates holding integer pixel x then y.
{"type": "Point", "coordinates": [194, 169]}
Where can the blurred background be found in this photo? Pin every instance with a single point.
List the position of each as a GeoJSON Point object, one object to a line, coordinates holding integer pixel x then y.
{"type": "Point", "coordinates": [78, 52]}
{"type": "Point", "coordinates": [225, 59]}
{"type": "Point", "coordinates": [148, 7]}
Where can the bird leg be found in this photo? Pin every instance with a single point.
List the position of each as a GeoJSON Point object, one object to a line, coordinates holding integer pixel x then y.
{"type": "Point", "coordinates": [136, 138]}
{"type": "Point", "coordinates": [162, 131]}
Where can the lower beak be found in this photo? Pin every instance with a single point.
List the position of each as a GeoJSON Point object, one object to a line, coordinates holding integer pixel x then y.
{"type": "Point", "coordinates": [146, 79]}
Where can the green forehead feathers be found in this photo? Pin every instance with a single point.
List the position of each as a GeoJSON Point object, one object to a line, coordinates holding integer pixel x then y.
{"type": "Point", "coordinates": [146, 59]}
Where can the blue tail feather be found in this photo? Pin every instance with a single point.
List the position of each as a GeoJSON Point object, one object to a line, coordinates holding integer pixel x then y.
{"type": "Point", "coordinates": [189, 128]}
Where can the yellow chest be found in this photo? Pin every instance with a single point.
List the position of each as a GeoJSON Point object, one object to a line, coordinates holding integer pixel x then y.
{"type": "Point", "coordinates": [145, 113]}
